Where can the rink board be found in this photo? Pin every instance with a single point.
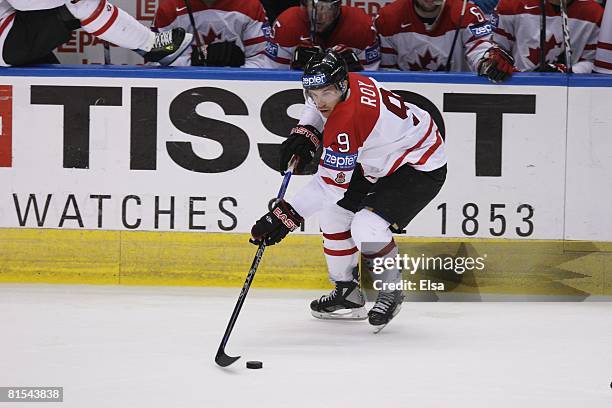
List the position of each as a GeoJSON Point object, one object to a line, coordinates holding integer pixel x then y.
{"type": "Point", "coordinates": [151, 176]}
{"type": "Point", "coordinates": [568, 269]}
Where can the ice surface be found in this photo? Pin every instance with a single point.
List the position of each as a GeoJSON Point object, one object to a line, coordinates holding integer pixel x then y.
{"type": "Point", "coordinates": [112, 346]}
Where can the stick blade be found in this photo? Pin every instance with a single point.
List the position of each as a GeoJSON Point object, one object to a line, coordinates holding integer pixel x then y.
{"type": "Point", "coordinates": [224, 360]}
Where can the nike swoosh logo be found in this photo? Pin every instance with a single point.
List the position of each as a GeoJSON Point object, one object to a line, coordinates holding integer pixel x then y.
{"type": "Point", "coordinates": [179, 9]}
{"type": "Point", "coordinates": [405, 25]}
{"type": "Point", "coordinates": [530, 7]}
{"type": "Point", "coordinates": [302, 38]}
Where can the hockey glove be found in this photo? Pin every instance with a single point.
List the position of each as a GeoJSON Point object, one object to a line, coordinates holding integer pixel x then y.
{"type": "Point", "coordinates": [302, 55]}
{"type": "Point", "coordinates": [276, 224]}
{"type": "Point", "coordinates": [303, 142]}
{"type": "Point", "coordinates": [497, 64]}
{"type": "Point", "coordinates": [349, 56]}
{"type": "Point", "coordinates": [357, 190]}
{"type": "Point", "coordinates": [198, 56]}
{"type": "Point", "coordinates": [224, 54]}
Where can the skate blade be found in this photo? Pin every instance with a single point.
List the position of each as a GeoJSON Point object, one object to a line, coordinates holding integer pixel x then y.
{"type": "Point", "coordinates": [342, 314]}
{"type": "Point", "coordinates": [377, 329]}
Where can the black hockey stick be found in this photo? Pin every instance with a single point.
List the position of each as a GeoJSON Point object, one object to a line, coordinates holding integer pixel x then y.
{"type": "Point", "coordinates": [222, 358]}
{"type": "Point", "coordinates": [452, 50]}
{"type": "Point", "coordinates": [198, 52]}
{"type": "Point", "coordinates": [107, 55]}
{"type": "Point", "coordinates": [566, 36]}
{"type": "Point", "coordinates": [542, 35]}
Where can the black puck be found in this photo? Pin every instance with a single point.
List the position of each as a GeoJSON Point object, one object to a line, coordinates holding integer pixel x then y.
{"type": "Point", "coordinates": [254, 364]}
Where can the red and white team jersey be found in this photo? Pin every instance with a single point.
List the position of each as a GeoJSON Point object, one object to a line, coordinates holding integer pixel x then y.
{"type": "Point", "coordinates": [603, 55]}
{"type": "Point", "coordinates": [241, 21]}
{"type": "Point", "coordinates": [7, 15]}
{"type": "Point", "coordinates": [516, 26]}
{"type": "Point", "coordinates": [377, 129]}
{"type": "Point", "coordinates": [410, 44]}
{"type": "Point", "coordinates": [292, 29]}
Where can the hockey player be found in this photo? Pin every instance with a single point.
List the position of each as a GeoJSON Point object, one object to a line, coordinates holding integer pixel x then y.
{"type": "Point", "coordinates": [300, 32]}
{"type": "Point", "coordinates": [232, 32]}
{"type": "Point", "coordinates": [603, 55]}
{"type": "Point", "coordinates": [31, 29]}
{"type": "Point", "coordinates": [421, 35]}
{"type": "Point", "coordinates": [383, 162]}
{"type": "Point", "coordinates": [516, 24]}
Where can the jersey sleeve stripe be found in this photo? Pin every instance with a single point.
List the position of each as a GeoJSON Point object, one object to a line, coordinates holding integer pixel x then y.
{"type": "Point", "coordinates": [400, 159]}
{"type": "Point", "coordinates": [386, 50]}
{"type": "Point", "coordinates": [505, 34]}
{"type": "Point", "coordinates": [253, 41]}
{"type": "Point", "coordinates": [476, 44]}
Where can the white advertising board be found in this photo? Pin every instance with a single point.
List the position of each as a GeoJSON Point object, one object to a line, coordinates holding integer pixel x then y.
{"type": "Point", "coordinates": [198, 155]}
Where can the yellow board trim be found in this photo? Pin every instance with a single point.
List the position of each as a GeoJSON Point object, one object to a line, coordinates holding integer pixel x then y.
{"type": "Point", "coordinates": [223, 259]}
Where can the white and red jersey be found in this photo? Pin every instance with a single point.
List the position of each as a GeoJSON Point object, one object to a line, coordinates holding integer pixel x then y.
{"type": "Point", "coordinates": [603, 55]}
{"type": "Point", "coordinates": [409, 44]}
{"type": "Point", "coordinates": [241, 21]}
{"type": "Point", "coordinates": [292, 29]}
{"type": "Point", "coordinates": [377, 129]}
{"type": "Point", "coordinates": [516, 26]}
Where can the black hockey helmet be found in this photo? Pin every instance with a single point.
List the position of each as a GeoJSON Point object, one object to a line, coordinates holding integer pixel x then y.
{"type": "Point", "coordinates": [323, 69]}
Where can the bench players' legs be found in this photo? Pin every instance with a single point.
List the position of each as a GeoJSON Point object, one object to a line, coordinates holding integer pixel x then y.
{"type": "Point", "coordinates": [346, 301]}
{"type": "Point", "coordinates": [110, 23]}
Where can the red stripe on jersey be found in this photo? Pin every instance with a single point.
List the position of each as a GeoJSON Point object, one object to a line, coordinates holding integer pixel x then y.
{"type": "Point", "coordinates": [95, 14]}
{"type": "Point", "coordinates": [108, 24]}
{"type": "Point", "coordinates": [504, 34]}
{"type": "Point", "coordinates": [600, 44]}
{"type": "Point", "coordinates": [603, 64]}
{"type": "Point", "coordinates": [386, 50]}
{"type": "Point", "coordinates": [6, 22]}
{"type": "Point", "coordinates": [331, 182]}
{"type": "Point", "coordinates": [590, 47]}
{"type": "Point", "coordinates": [338, 236]}
{"type": "Point", "coordinates": [388, 248]}
{"type": "Point", "coordinates": [476, 44]}
{"type": "Point", "coordinates": [400, 159]}
{"type": "Point", "coordinates": [430, 151]}
{"type": "Point", "coordinates": [253, 41]}
{"type": "Point", "coordinates": [340, 252]}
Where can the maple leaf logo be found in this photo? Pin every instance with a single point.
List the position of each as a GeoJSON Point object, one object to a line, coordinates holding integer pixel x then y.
{"type": "Point", "coordinates": [211, 36]}
{"type": "Point", "coordinates": [549, 45]}
{"type": "Point", "coordinates": [424, 61]}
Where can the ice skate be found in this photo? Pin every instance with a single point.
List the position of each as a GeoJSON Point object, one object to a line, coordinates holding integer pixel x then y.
{"type": "Point", "coordinates": [168, 46]}
{"type": "Point", "coordinates": [388, 304]}
{"type": "Point", "coordinates": [345, 302]}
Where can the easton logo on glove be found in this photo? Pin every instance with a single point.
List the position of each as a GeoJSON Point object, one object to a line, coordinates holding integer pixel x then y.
{"type": "Point", "coordinates": [276, 224]}
{"type": "Point", "coordinates": [284, 219]}
{"type": "Point", "coordinates": [304, 131]}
